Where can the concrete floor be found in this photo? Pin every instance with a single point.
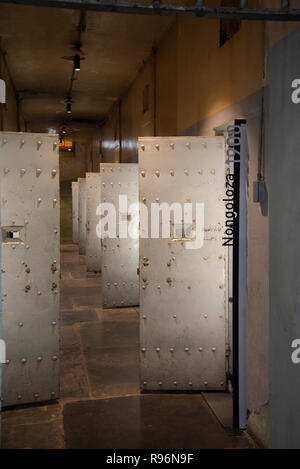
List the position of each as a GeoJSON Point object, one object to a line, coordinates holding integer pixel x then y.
{"type": "Point", "coordinates": [100, 405]}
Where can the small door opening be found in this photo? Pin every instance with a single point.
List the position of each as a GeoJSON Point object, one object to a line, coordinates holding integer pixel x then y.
{"type": "Point", "coordinates": [12, 234]}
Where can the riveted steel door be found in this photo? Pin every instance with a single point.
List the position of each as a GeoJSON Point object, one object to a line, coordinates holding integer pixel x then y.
{"type": "Point", "coordinates": [93, 242]}
{"type": "Point", "coordinates": [29, 180]}
{"type": "Point", "coordinates": [75, 211]}
{"type": "Point", "coordinates": [120, 255]}
{"type": "Point", "coordinates": [182, 289]}
{"type": "Point", "coordinates": [82, 215]}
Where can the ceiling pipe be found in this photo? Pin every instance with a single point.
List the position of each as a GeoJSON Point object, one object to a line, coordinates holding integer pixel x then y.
{"type": "Point", "coordinates": [197, 10]}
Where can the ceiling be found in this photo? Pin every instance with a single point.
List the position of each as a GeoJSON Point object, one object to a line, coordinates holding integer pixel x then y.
{"type": "Point", "coordinates": [114, 46]}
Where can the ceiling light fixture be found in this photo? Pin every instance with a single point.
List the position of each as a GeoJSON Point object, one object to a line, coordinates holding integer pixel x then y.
{"type": "Point", "coordinates": [69, 110]}
{"type": "Point", "coordinates": [77, 62]}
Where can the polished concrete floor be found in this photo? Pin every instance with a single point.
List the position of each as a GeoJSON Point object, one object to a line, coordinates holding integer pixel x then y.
{"type": "Point", "coordinates": [100, 405]}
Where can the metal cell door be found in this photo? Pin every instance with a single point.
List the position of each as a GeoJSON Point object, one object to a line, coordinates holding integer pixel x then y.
{"type": "Point", "coordinates": [29, 180]}
{"type": "Point", "coordinates": [93, 242]}
{"type": "Point", "coordinates": [82, 215]}
{"type": "Point", "coordinates": [120, 255]}
{"type": "Point", "coordinates": [182, 290]}
{"type": "Point", "coordinates": [75, 211]}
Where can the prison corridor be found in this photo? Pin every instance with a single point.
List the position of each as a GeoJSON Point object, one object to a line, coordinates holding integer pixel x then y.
{"type": "Point", "coordinates": [100, 404]}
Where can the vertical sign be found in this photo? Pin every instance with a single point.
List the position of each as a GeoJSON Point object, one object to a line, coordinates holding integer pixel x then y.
{"type": "Point", "coordinates": [236, 152]}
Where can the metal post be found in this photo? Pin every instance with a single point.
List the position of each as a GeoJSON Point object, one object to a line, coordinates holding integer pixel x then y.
{"type": "Point", "coordinates": [237, 142]}
{"type": "Point", "coordinates": [242, 345]}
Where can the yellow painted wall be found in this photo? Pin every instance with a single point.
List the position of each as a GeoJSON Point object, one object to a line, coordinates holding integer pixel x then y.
{"type": "Point", "coordinates": [135, 122]}
{"type": "Point", "coordinates": [166, 84]}
{"type": "Point", "coordinates": [9, 110]}
{"type": "Point", "coordinates": [195, 78]}
{"type": "Point", "coordinates": [110, 147]}
{"type": "Point", "coordinates": [211, 78]}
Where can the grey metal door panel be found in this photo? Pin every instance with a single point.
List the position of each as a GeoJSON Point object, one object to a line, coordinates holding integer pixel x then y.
{"type": "Point", "coordinates": [29, 178]}
{"type": "Point", "coordinates": [75, 211]}
{"type": "Point", "coordinates": [182, 291]}
{"type": "Point", "coordinates": [120, 256]}
{"type": "Point", "coordinates": [93, 242]}
{"type": "Point", "coordinates": [82, 215]}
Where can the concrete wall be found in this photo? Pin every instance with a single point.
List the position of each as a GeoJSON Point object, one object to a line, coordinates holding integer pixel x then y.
{"type": "Point", "coordinates": [76, 165]}
{"type": "Point", "coordinates": [191, 78]}
{"type": "Point", "coordinates": [134, 120]}
{"type": "Point", "coordinates": [110, 146]}
{"type": "Point", "coordinates": [96, 156]}
{"type": "Point", "coordinates": [284, 144]}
